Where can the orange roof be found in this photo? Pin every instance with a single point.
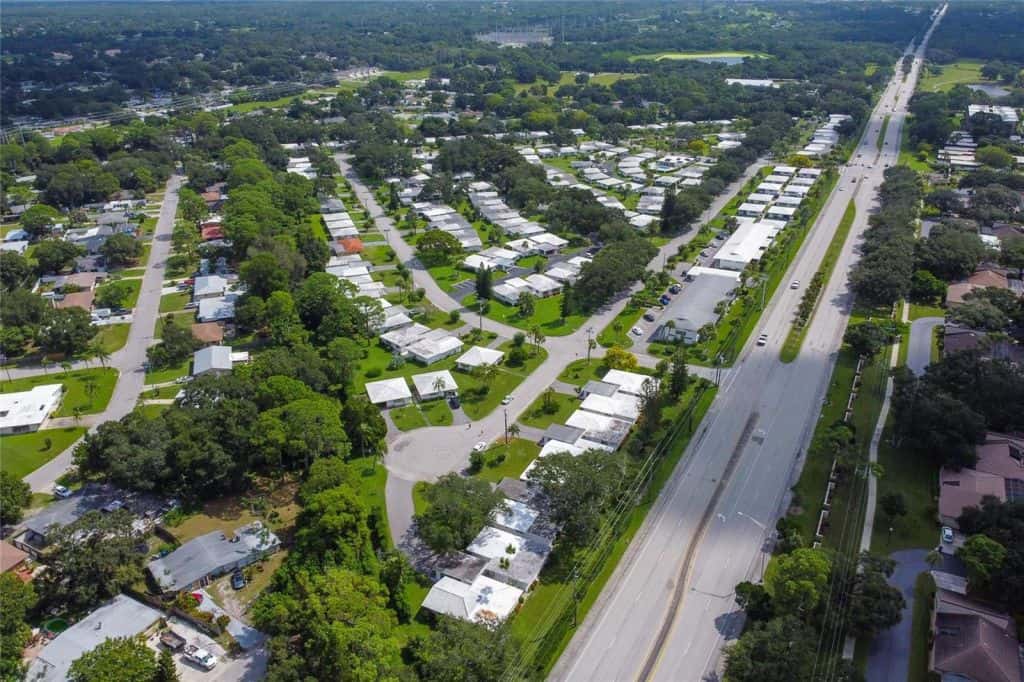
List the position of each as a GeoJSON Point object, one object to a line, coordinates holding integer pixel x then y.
{"type": "Point", "coordinates": [10, 556]}
{"type": "Point", "coordinates": [212, 232]}
{"type": "Point", "coordinates": [351, 244]}
{"type": "Point", "coordinates": [79, 299]}
{"type": "Point", "coordinates": [208, 332]}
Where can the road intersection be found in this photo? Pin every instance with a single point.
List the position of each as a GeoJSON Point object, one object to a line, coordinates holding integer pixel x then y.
{"type": "Point", "coordinates": [669, 606]}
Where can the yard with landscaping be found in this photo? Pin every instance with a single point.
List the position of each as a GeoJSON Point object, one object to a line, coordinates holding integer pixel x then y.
{"type": "Point", "coordinates": [25, 452]}
{"type": "Point", "coordinates": [511, 460]}
{"type": "Point", "coordinates": [550, 408]}
{"type": "Point", "coordinates": [112, 337]}
{"type": "Point", "coordinates": [547, 315]}
{"type": "Point", "coordinates": [88, 389]}
{"type": "Point", "coordinates": [172, 302]}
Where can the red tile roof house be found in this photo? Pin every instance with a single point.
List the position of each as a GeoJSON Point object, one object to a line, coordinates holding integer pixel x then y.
{"type": "Point", "coordinates": [978, 280]}
{"type": "Point", "coordinates": [999, 472]}
{"type": "Point", "coordinates": [971, 641]}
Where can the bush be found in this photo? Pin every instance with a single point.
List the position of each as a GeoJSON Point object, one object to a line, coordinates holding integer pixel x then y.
{"type": "Point", "coordinates": [476, 462]}
{"type": "Point", "coordinates": [223, 620]}
{"type": "Point", "coordinates": [373, 372]}
{"type": "Point", "coordinates": [518, 339]}
{"type": "Point", "coordinates": [516, 357]}
{"type": "Point", "coordinates": [454, 316]}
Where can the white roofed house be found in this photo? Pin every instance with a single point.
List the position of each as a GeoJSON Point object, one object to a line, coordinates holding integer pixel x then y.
{"type": "Point", "coordinates": [543, 286]}
{"type": "Point", "coordinates": [781, 212]}
{"type": "Point", "coordinates": [478, 356]}
{"type": "Point", "coordinates": [216, 309]}
{"type": "Point", "coordinates": [620, 406]}
{"type": "Point", "coordinates": [27, 411]}
{"type": "Point", "coordinates": [631, 383]}
{"type": "Point", "coordinates": [548, 243]}
{"type": "Point", "coordinates": [433, 385]}
{"type": "Point", "coordinates": [433, 348]}
{"type": "Point", "coordinates": [508, 290]}
{"type": "Point", "coordinates": [209, 286]}
{"type": "Point", "coordinates": [389, 392]}
{"type": "Point", "coordinates": [750, 210]}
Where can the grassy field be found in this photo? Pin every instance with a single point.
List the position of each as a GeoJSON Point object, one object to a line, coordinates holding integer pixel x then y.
{"type": "Point", "coordinates": [112, 337]}
{"type": "Point", "coordinates": [408, 418]}
{"type": "Point", "coordinates": [225, 514]}
{"type": "Point", "coordinates": [26, 452]}
{"type": "Point", "coordinates": [172, 302]}
{"type": "Point", "coordinates": [579, 372]}
{"type": "Point", "coordinates": [510, 460]}
{"type": "Point", "coordinates": [916, 479]}
{"type": "Point", "coordinates": [159, 376]}
{"type": "Point", "coordinates": [183, 319]}
{"type": "Point", "coordinates": [942, 78]}
{"type": "Point", "coordinates": [795, 337]}
{"type": "Point", "coordinates": [536, 417]}
{"type": "Point", "coordinates": [547, 315]}
{"type": "Point", "coordinates": [569, 78]}
{"type": "Point", "coordinates": [447, 276]}
{"type": "Point", "coordinates": [917, 311]}
{"type": "Point", "coordinates": [675, 56]}
{"type": "Point", "coordinates": [924, 595]}
{"type": "Point", "coordinates": [133, 296]}
{"type": "Point", "coordinates": [76, 388]}
{"type": "Point", "coordinates": [617, 331]}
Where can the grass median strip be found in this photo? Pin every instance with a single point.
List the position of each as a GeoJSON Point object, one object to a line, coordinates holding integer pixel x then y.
{"type": "Point", "coordinates": [795, 338]}
{"type": "Point", "coordinates": [880, 142]}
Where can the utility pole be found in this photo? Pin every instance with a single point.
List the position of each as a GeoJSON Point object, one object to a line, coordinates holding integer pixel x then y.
{"type": "Point", "coordinates": [590, 332]}
{"type": "Point", "coordinates": [506, 425]}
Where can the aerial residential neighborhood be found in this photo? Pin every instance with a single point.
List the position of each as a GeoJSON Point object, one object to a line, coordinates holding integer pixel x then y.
{"type": "Point", "coordinates": [512, 341]}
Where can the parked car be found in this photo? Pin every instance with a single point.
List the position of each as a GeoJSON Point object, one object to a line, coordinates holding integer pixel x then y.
{"type": "Point", "coordinates": [237, 580]}
{"type": "Point", "coordinates": [637, 331]}
{"type": "Point", "coordinates": [480, 447]}
{"type": "Point", "coordinates": [506, 400]}
{"type": "Point", "coordinates": [947, 535]}
{"type": "Point", "coordinates": [61, 492]}
{"type": "Point", "coordinates": [795, 284]}
{"type": "Point", "coordinates": [674, 289]}
{"type": "Point", "coordinates": [454, 403]}
{"type": "Point", "coordinates": [664, 300]}
{"type": "Point", "coordinates": [762, 340]}
{"type": "Point", "coordinates": [649, 317]}
{"type": "Point", "coordinates": [200, 657]}
{"type": "Point", "coordinates": [191, 305]}
{"type": "Point", "coordinates": [172, 640]}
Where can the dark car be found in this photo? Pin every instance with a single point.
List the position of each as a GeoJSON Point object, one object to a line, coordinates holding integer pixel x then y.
{"type": "Point", "coordinates": [237, 581]}
{"type": "Point", "coordinates": [664, 300]}
{"type": "Point", "coordinates": [454, 403]}
{"type": "Point", "coordinates": [649, 317]}
{"type": "Point", "coordinates": [675, 289]}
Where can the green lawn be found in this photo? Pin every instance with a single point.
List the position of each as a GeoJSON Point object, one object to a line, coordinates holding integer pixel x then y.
{"type": "Point", "coordinates": [160, 376]}
{"type": "Point", "coordinates": [379, 255]}
{"type": "Point", "coordinates": [579, 372]}
{"type": "Point", "coordinates": [942, 78]}
{"type": "Point", "coordinates": [924, 596]}
{"type": "Point", "coordinates": [916, 479]}
{"type": "Point", "coordinates": [408, 418]}
{"type": "Point", "coordinates": [26, 452]}
{"type": "Point", "coordinates": [151, 411]}
{"type": "Point", "coordinates": [133, 296]}
{"type": "Point", "coordinates": [76, 388]}
{"type": "Point", "coordinates": [536, 417]}
{"type": "Point", "coordinates": [437, 412]}
{"type": "Point", "coordinates": [447, 276]}
{"type": "Point", "coordinates": [503, 382]}
{"type": "Point", "coordinates": [917, 311]}
{"type": "Point", "coordinates": [171, 302]}
{"type": "Point", "coordinates": [112, 337]}
{"type": "Point", "coordinates": [617, 331]}
{"type": "Point", "coordinates": [508, 460]}
{"type": "Point", "coordinates": [547, 315]}
{"type": "Point", "coordinates": [183, 319]}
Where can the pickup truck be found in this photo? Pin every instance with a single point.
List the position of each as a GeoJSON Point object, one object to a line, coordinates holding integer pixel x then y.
{"type": "Point", "coordinates": [172, 640]}
{"type": "Point", "coordinates": [200, 657]}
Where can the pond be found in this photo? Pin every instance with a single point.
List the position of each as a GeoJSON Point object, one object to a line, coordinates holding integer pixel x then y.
{"type": "Point", "coordinates": [993, 91]}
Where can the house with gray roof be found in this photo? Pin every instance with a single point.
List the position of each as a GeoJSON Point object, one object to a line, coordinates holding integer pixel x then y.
{"type": "Point", "coordinates": [203, 558]}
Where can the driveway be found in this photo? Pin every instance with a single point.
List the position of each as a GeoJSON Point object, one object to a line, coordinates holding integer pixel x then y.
{"type": "Point", "coordinates": [919, 350]}
{"type": "Point", "coordinates": [889, 655]}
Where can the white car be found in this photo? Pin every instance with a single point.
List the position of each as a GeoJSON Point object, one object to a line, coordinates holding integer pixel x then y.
{"type": "Point", "coordinates": [947, 535]}
{"type": "Point", "coordinates": [61, 492]}
{"type": "Point", "coordinates": [637, 331]}
{"type": "Point", "coordinates": [506, 400]}
{"type": "Point", "coordinates": [480, 447]}
{"type": "Point", "coordinates": [200, 657]}
{"type": "Point", "coordinates": [762, 340]}
{"type": "Point", "coordinates": [795, 284]}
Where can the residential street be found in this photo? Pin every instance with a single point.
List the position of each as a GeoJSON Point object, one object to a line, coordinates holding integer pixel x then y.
{"type": "Point", "coordinates": [426, 453]}
{"type": "Point", "coordinates": [669, 606]}
{"type": "Point", "coordinates": [919, 350]}
{"type": "Point", "coordinates": [129, 360]}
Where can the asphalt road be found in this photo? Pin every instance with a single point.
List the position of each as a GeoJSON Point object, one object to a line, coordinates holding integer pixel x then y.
{"type": "Point", "coordinates": [670, 606]}
{"type": "Point", "coordinates": [919, 349]}
{"type": "Point", "coordinates": [129, 360]}
{"type": "Point", "coordinates": [426, 453]}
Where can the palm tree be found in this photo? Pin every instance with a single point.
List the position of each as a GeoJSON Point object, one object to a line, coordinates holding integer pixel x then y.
{"type": "Point", "coordinates": [513, 432]}
{"type": "Point", "coordinates": [66, 366]}
{"type": "Point", "coordinates": [90, 389]}
{"type": "Point", "coordinates": [77, 414]}
{"type": "Point", "coordinates": [439, 385]}
{"type": "Point", "coordinates": [537, 336]}
{"type": "Point", "coordinates": [97, 351]}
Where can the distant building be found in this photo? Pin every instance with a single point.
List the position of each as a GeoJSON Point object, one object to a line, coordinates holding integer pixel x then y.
{"type": "Point", "coordinates": [201, 559]}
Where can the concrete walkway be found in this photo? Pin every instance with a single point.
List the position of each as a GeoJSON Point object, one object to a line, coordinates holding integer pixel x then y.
{"type": "Point", "coordinates": [426, 453]}
{"type": "Point", "coordinates": [919, 350]}
{"type": "Point", "coordinates": [130, 359]}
